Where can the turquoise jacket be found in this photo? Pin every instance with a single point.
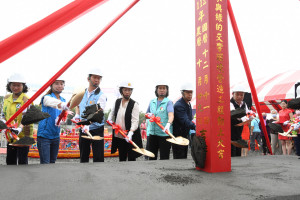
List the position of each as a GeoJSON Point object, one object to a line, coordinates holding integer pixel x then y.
{"type": "Point", "coordinates": [159, 111]}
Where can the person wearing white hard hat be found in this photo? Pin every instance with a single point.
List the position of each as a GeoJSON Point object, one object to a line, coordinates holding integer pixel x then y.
{"type": "Point", "coordinates": [160, 107]}
{"type": "Point", "coordinates": [12, 102]}
{"type": "Point", "coordinates": [238, 93]}
{"type": "Point", "coordinates": [92, 95]}
{"type": "Point", "coordinates": [48, 134]}
{"type": "Point", "coordinates": [125, 113]}
{"type": "Point", "coordinates": [183, 120]}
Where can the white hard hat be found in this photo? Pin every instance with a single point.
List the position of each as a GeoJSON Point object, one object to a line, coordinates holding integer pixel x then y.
{"type": "Point", "coordinates": [298, 92]}
{"type": "Point", "coordinates": [95, 71]}
{"type": "Point", "coordinates": [126, 84]}
{"type": "Point", "coordinates": [61, 78]}
{"type": "Point", "coordinates": [238, 88]}
{"type": "Point", "coordinates": [161, 82]}
{"type": "Point", "coordinates": [17, 78]}
{"type": "Point", "coordinates": [187, 86]}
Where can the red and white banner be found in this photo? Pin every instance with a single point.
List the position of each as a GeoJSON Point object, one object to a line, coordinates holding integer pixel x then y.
{"type": "Point", "coordinates": [272, 89]}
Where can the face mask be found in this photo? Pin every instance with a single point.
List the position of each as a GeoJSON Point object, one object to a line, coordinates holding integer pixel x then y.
{"type": "Point", "coordinates": [274, 115]}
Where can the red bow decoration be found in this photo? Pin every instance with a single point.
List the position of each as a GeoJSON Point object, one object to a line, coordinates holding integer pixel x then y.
{"type": "Point", "coordinates": [8, 131]}
{"type": "Point", "coordinates": [77, 126]}
{"type": "Point", "coordinates": [153, 118]}
{"type": "Point", "coordinates": [63, 116]}
{"type": "Point", "coordinates": [117, 128]}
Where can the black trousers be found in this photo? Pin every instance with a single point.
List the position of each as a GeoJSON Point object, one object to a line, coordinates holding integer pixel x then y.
{"type": "Point", "coordinates": [235, 151]}
{"type": "Point", "coordinates": [16, 155]}
{"type": "Point", "coordinates": [179, 151]}
{"type": "Point", "coordinates": [125, 150]}
{"type": "Point", "coordinates": [265, 146]}
{"type": "Point", "coordinates": [159, 142]}
{"type": "Point", "coordinates": [236, 134]}
{"type": "Point", "coordinates": [97, 146]}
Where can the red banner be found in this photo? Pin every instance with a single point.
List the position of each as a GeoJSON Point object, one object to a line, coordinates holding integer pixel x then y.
{"type": "Point", "coordinates": [212, 81]}
{"type": "Point", "coordinates": [28, 36]}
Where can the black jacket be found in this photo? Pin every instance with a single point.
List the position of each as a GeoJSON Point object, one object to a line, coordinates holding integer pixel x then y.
{"type": "Point", "coordinates": [182, 119]}
{"type": "Point", "coordinates": [136, 137]}
{"type": "Point", "coordinates": [236, 131]}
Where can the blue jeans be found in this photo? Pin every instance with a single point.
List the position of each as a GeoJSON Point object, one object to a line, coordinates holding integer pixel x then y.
{"type": "Point", "coordinates": [255, 136]}
{"type": "Point", "coordinates": [48, 149]}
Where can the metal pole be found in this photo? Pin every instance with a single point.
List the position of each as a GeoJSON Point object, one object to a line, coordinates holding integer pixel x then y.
{"type": "Point", "coordinates": [64, 68]}
{"type": "Point", "coordinates": [248, 72]}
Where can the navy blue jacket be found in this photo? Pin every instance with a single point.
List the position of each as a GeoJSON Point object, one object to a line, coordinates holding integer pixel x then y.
{"type": "Point", "coordinates": [182, 119]}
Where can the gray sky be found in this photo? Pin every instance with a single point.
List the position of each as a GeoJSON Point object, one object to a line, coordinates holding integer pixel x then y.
{"type": "Point", "coordinates": [153, 41]}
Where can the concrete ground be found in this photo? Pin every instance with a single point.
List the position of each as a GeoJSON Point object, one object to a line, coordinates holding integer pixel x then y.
{"type": "Point", "coordinates": [252, 177]}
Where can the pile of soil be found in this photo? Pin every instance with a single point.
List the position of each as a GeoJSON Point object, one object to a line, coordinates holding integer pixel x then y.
{"type": "Point", "coordinates": [275, 127]}
{"type": "Point", "coordinates": [92, 113]}
{"type": "Point", "coordinates": [28, 141]}
{"type": "Point", "coordinates": [33, 115]}
{"type": "Point", "coordinates": [198, 151]}
{"type": "Point", "coordinates": [2, 125]}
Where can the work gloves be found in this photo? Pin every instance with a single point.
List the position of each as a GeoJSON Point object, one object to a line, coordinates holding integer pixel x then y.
{"type": "Point", "coordinates": [64, 106]}
{"type": "Point", "coordinates": [76, 118]}
{"type": "Point", "coordinates": [129, 135]}
{"type": "Point", "coordinates": [17, 131]}
{"type": "Point", "coordinates": [167, 127]}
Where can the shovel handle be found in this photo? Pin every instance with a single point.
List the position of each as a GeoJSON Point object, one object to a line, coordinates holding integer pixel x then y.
{"type": "Point", "coordinates": [167, 132]}
{"type": "Point", "coordinates": [124, 135]}
{"type": "Point", "coordinates": [162, 127]}
{"type": "Point", "coordinates": [63, 112]}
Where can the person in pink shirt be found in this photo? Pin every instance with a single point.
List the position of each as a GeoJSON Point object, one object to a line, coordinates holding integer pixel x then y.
{"type": "Point", "coordinates": [285, 115]}
{"type": "Point", "coordinates": [143, 130]}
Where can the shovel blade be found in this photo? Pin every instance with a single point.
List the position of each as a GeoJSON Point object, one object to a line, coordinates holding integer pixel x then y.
{"type": "Point", "coordinates": [144, 152]}
{"type": "Point", "coordinates": [96, 137]}
{"type": "Point", "coordinates": [179, 140]}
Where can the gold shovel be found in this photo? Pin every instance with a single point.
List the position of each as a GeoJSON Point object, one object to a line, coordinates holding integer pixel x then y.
{"type": "Point", "coordinates": [288, 133]}
{"type": "Point", "coordinates": [175, 140]}
{"type": "Point", "coordinates": [90, 137]}
{"type": "Point", "coordinates": [137, 148]}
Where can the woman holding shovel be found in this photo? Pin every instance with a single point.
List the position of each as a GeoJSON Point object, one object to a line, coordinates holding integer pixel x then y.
{"type": "Point", "coordinates": [160, 107]}
{"type": "Point", "coordinates": [126, 114]}
{"type": "Point", "coordinates": [12, 102]}
{"type": "Point", "coordinates": [48, 134]}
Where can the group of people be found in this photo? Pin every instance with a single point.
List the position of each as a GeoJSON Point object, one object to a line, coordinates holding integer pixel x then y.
{"type": "Point", "coordinates": [252, 130]}
{"type": "Point", "coordinates": [176, 119]}
{"type": "Point", "coordinates": [125, 112]}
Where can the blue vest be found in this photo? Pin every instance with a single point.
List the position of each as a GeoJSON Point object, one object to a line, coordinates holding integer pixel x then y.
{"type": "Point", "coordinates": [160, 111]}
{"type": "Point", "coordinates": [93, 99]}
{"type": "Point", "coordinates": [47, 128]}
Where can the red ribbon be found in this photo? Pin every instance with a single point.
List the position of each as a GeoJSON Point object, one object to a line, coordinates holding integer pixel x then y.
{"type": "Point", "coordinates": [153, 118]}
{"type": "Point", "coordinates": [77, 126]}
{"type": "Point", "coordinates": [118, 129]}
{"type": "Point", "coordinates": [63, 116]}
{"type": "Point", "coordinates": [8, 130]}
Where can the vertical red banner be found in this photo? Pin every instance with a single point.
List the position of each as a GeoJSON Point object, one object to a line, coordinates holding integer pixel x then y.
{"type": "Point", "coordinates": [212, 83]}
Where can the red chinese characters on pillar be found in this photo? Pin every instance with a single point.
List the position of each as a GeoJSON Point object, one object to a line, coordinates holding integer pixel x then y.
{"type": "Point", "coordinates": [212, 83]}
